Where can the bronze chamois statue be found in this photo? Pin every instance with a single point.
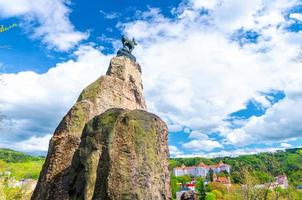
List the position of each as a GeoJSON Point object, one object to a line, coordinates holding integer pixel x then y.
{"type": "Point", "coordinates": [128, 46]}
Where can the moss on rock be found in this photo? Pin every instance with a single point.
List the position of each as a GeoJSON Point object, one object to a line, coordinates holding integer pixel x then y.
{"type": "Point", "coordinates": [123, 155]}
{"type": "Point", "coordinates": [115, 90]}
{"type": "Point", "coordinates": [91, 91]}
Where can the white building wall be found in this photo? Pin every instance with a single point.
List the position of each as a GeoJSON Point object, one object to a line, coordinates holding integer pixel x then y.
{"type": "Point", "coordinates": [200, 171]}
{"type": "Point", "coordinates": [179, 172]}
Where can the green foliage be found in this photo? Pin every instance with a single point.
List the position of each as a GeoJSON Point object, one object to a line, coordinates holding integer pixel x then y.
{"type": "Point", "coordinates": [201, 189]}
{"type": "Point", "coordinates": [293, 193]}
{"type": "Point", "coordinates": [235, 193]}
{"type": "Point", "coordinates": [15, 166]}
{"type": "Point", "coordinates": [211, 173]}
{"type": "Point", "coordinates": [175, 187]}
{"type": "Point", "coordinates": [20, 165]}
{"type": "Point", "coordinates": [218, 194]}
{"type": "Point", "coordinates": [210, 196]}
{"type": "Point", "coordinates": [208, 188]}
{"type": "Point", "coordinates": [173, 164]}
{"type": "Point", "coordinates": [8, 155]}
{"type": "Point", "coordinates": [223, 174]}
{"type": "Point", "coordinates": [264, 165]}
{"type": "Point", "coordinates": [251, 170]}
{"type": "Point", "coordinates": [14, 193]}
{"type": "Point", "coordinates": [23, 170]}
{"type": "Point", "coordinates": [192, 161]}
{"type": "Point", "coordinates": [263, 177]}
{"type": "Point", "coordinates": [261, 169]}
{"type": "Point", "coordinates": [4, 29]}
{"type": "Point", "coordinates": [183, 179]}
{"type": "Point", "coordinates": [217, 186]}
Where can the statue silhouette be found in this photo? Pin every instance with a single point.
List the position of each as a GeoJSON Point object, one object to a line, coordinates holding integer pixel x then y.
{"type": "Point", "coordinates": [128, 46]}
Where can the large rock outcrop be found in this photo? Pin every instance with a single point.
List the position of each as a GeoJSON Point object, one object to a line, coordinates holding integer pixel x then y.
{"type": "Point", "coordinates": [122, 156]}
{"type": "Point", "coordinates": [120, 88]}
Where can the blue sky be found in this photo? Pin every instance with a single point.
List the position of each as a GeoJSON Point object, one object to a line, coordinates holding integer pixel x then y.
{"type": "Point", "coordinates": [97, 18]}
{"type": "Point", "coordinates": [222, 74]}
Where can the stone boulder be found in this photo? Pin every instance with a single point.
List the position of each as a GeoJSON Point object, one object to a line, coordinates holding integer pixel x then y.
{"type": "Point", "coordinates": [123, 155]}
{"type": "Point", "coordinates": [121, 87]}
{"type": "Point", "coordinates": [188, 195]}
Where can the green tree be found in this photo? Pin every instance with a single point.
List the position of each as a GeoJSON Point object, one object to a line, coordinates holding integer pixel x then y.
{"type": "Point", "coordinates": [226, 173]}
{"type": "Point", "coordinates": [217, 186]}
{"type": "Point", "coordinates": [250, 191]}
{"type": "Point", "coordinates": [210, 196]}
{"type": "Point", "coordinates": [173, 164]}
{"type": "Point", "coordinates": [211, 173]}
{"type": "Point", "coordinates": [262, 165]}
{"type": "Point", "coordinates": [263, 177]}
{"type": "Point", "coordinates": [293, 193]}
{"type": "Point", "coordinates": [174, 186]}
{"type": "Point", "coordinates": [201, 189]}
{"type": "Point", "coordinates": [184, 179]}
{"type": "Point", "coordinates": [6, 28]}
{"type": "Point", "coordinates": [235, 193]}
{"type": "Point", "coordinates": [218, 194]}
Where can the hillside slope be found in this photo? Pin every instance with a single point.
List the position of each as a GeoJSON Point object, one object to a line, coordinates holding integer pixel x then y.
{"type": "Point", "coordinates": [9, 155]}
{"type": "Point", "coordinates": [20, 165]}
{"type": "Point", "coordinates": [264, 165]}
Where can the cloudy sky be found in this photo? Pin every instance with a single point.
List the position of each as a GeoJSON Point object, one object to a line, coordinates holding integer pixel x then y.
{"type": "Point", "coordinates": [223, 74]}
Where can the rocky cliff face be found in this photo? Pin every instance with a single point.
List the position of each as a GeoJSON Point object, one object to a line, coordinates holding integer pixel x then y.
{"type": "Point", "coordinates": [123, 155]}
{"type": "Point", "coordinates": [120, 88]}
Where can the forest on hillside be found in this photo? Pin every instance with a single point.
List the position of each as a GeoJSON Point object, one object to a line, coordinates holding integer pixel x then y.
{"type": "Point", "coordinates": [250, 175]}
{"type": "Point", "coordinates": [263, 165]}
{"type": "Point", "coordinates": [15, 168]}
{"type": "Point", "coordinates": [257, 169]}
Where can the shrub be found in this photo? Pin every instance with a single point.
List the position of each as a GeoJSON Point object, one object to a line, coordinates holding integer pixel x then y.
{"type": "Point", "coordinates": [210, 196]}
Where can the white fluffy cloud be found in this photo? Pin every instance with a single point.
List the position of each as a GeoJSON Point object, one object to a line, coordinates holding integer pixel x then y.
{"type": "Point", "coordinates": [175, 152]}
{"type": "Point", "coordinates": [45, 19]}
{"type": "Point", "coordinates": [297, 16]}
{"type": "Point", "coordinates": [33, 104]}
{"type": "Point", "coordinates": [198, 135]}
{"type": "Point", "coordinates": [281, 122]}
{"type": "Point", "coordinates": [203, 144]}
{"type": "Point", "coordinates": [208, 4]}
{"type": "Point", "coordinates": [285, 145]}
{"type": "Point", "coordinates": [110, 15]}
{"type": "Point", "coordinates": [175, 127]}
{"type": "Point", "coordinates": [34, 144]}
{"type": "Point", "coordinates": [232, 153]}
{"type": "Point", "coordinates": [195, 75]}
